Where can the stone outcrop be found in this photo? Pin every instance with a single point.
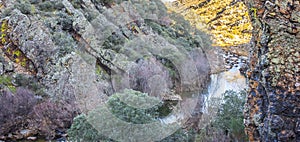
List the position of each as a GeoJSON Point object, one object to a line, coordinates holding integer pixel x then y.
{"type": "Point", "coordinates": [85, 51]}
{"type": "Point", "coordinates": [272, 110]}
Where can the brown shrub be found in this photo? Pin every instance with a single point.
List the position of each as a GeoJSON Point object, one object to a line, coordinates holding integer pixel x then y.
{"type": "Point", "coordinates": [22, 111]}
{"type": "Point", "coordinates": [50, 117]}
{"type": "Point", "coordinates": [14, 109]}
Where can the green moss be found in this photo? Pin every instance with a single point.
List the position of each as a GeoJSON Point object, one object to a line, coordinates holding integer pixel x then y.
{"type": "Point", "coordinates": [7, 81]}
{"type": "Point", "coordinates": [3, 40]}
{"type": "Point", "coordinates": [98, 70]}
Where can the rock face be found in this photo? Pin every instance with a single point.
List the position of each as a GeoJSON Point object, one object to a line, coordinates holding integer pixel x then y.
{"type": "Point", "coordinates": [85, 51]}
{"type": "Point", "coordinates": [272, 108]}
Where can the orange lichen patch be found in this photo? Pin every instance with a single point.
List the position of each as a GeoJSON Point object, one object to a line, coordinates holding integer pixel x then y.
{"type": "Point", "coordinates": [226, 20]}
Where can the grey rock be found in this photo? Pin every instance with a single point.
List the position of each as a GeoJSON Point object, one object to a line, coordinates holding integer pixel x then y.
{"type": "Point", "coordinates": [1, 69]}
{"type": "Point", "coordinates": [85, 54]}
{"type": "Point", "coordinates": [9, 67]}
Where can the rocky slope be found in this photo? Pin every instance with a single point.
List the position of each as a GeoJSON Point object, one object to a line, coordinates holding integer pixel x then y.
{"type": "Point", "coordinates": [74, 54]}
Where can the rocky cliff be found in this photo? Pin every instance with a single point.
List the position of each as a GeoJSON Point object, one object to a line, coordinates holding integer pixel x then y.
{"type": "Point", "coordinates": [272, 110]}
{"type": "Point", "coordinates": [78, 53]}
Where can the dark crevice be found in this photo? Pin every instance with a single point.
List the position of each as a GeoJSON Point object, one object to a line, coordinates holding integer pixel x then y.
{"type": "Point", "coordinates": [200, 5]}
{"type": "Point", "coordinates": [104, 67]}
{"type": "Point", "coordinates": [219, 14]}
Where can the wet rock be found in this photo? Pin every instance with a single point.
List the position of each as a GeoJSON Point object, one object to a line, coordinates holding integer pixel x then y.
{"type": "Point", "coordinates": [234, 58]}
{"type": "Point", "coordinates": [32, 138]}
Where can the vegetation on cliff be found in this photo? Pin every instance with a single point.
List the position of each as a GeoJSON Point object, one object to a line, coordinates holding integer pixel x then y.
{"type": "Point", "coordinates": [227, 20]}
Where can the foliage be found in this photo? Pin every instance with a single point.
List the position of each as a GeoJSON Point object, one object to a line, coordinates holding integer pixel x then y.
{"type": "Point", "coordinates": [131, 114]}
{"type": "Point", "coordinates": [50, 6]}
{"type": "Point", "coordinates": [30, 83]}
{"type": "Point", "coordinates": [230, 115]}
{"type": "Point", "coordinates": [103, 2]}
{"type": "Point", "coordinates": [81, 130]}
{"type": "Point", "coordinates": [25, 7]}
{"type": "Point", "coordinates": [227, 125]}
{"type": "Point", "coordinates": [181, 135]}
{"type": "Point", "coordinates": [180, 33]}
{"type": "Point", "coordinates": [7, 82]}
{"type": "Point", "coordinates": [211, 133]}
{"type": "Point", "coordinates": [228, 21]}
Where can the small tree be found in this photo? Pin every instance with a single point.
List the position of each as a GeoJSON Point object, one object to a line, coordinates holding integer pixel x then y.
{"type": "Point", "coordinates": [230, 115]}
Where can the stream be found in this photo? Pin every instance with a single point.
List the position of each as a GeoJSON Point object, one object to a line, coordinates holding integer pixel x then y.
{"type": "Point", "coordinates": [230, 79]}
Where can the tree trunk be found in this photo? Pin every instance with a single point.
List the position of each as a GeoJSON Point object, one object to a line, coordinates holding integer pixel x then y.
{"type": "Point", "coordinates": [272, 110]}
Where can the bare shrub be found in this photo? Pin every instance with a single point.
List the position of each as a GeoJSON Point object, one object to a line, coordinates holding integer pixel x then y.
{"type": "Point", "coordinates": [150, 76]}
{"type": "Point", "coordinates": [14, 109]}
{"type": "Point", "coordinates": [50, 117]}
{"type": "Point", "coordinates": [22, 111]}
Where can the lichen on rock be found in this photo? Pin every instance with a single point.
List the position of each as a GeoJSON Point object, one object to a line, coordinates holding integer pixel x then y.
{"type": "Point", "coordinates": [273, 96]}
{"type": "Point", "coordinates": [86, 51]}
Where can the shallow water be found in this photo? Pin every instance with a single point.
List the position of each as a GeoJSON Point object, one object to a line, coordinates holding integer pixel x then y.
{"type": "Point", "coordinates": [219, 83]}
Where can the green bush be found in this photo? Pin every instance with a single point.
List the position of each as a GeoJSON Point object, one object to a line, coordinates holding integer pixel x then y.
{"type": "Point", "coordinates": [227, 124]}
{"type": "Point", "coordinates": [230, 115]}
{"type": "Point", "coordinates": [82, 130]}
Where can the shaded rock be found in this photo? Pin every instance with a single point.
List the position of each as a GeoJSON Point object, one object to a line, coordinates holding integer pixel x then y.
{"type": "Point", "coordinates": [276, 123]}
{"type": "Point", "coordinates": [286, 135]}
